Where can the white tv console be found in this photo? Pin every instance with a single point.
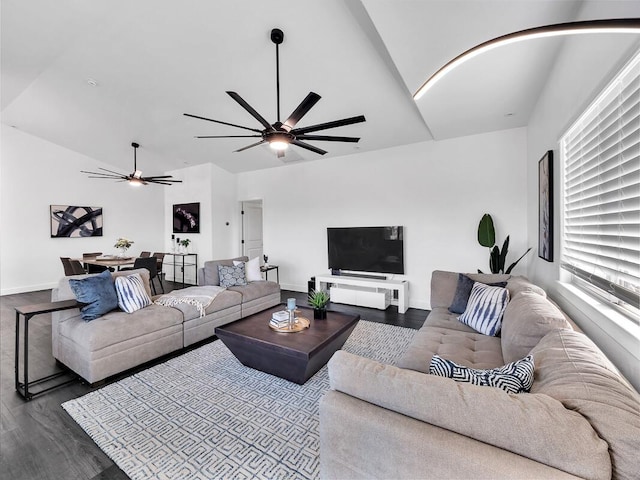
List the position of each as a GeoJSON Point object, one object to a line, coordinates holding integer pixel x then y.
{"type": "Point", "coordinates": [365, 292]}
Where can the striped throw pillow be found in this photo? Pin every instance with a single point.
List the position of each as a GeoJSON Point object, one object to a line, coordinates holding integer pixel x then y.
{"type": "Point", "coordinates": [131, 293]}
{"type": "Point", "coordinates": [514, 377]}
{"type": "Point", "coordinates": [485, 308]}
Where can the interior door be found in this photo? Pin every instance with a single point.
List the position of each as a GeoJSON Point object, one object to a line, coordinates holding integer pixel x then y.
{"type": "Point", "coordinates": [252, 229]}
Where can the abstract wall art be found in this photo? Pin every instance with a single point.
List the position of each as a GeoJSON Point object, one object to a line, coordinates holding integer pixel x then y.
{"type": "Point", "coordinates": [72, 221]}
{"type": "Point", "coordinates": [186, 218]}
{"type": "Point", "coordinates": [545, 207]}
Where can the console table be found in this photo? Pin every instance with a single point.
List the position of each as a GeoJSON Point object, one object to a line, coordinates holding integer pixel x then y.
{"type": "Point", "coordinates": [28, 312]}
{"type": "Point", "coordinates": [356, 283]}
{"type": "Point", "coordinates": [179, 261]}
{"type": "Point", "coordinates": [267, 268]}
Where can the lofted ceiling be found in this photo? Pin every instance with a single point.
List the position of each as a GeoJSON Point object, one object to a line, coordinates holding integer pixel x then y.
{"type": "Point", "coordinates": [93, 76]}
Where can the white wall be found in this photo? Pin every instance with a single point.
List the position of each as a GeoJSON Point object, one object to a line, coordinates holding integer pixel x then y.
{"type": "Point", "coordinates": [34, 174]}
{"type": "Point", "coordinates": [583, 68]}
{"type": "Point", "coordinates": [437, 190]}
{"type": "Point", "coordinates": [215, 190]}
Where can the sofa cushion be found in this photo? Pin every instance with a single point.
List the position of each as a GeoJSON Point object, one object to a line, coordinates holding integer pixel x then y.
{"type": "Point", "coordinates": [210, 269]}
{"type": "Point", "coordinates": [444, 285]}
{"type": "Point", "coordinates": [131, 293]}
{"type": "Point", "coordinates": [467, 347]}
{"type": "Point", "coordinates": [519, 284]}
{"type": "Point", "coordinates": [222, 301]}
{"type": "Point", "coordinates": [255, 290]}
{"type": "Point", "coordinates": [463, 292]}
{"type": "Point", "coordinates": [534, 426]}
{"type": "Point", "coordinates": [514, 377]}
{"type": "Point", "coordinates": [527, 318]}
{"type": "Point", "coordinates": [485, 308]}
{"type": "Point", "coordinates": [116, 327]}
{"type": "Point", "coordinates": [571, 369]}
{"type": "Point", "coordinates": [98, 292]}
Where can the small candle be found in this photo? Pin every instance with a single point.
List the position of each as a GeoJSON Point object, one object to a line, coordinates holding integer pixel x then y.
{"type": "Point", "coordinates": [291, 303]}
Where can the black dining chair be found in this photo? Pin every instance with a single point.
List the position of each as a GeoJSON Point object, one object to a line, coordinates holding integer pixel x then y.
{"type": "Point", "coordinates": [94, 268]}
{"type": "Point", "coordinates": [151, 264]}
{"type": "Point", "coordinates": [160, 259]}
{"type": "Point", "coordinates": [145, 254]}
{"type": "Point", "coordinates": [72, 267]}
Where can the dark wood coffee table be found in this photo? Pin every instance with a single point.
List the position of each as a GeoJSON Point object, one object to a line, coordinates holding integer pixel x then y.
{"type": "Point", "coordinates": [292, 356]}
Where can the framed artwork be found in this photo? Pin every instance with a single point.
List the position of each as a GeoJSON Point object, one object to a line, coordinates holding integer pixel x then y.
{"type": "Point", "coordinates": [186, 218]}
{"type": "Point", "coordinates": [545, 207]}
{"type": "Point", "coordinates": [69, 221]}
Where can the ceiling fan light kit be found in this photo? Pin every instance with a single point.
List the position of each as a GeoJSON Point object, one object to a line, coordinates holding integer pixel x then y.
{"type": "Point", "coordinates": [280, 135]}
{"type": "Point", "coordinates": [135, 179]}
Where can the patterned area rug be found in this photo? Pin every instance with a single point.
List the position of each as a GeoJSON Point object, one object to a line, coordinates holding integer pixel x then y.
{"type": "Point", "coordinates": [204, 415]}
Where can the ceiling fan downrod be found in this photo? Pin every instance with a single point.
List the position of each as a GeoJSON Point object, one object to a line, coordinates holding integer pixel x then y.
{"type": "Point", "coordinates": [277, 37]}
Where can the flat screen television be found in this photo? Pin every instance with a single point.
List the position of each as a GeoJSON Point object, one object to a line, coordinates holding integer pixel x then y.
{"type": "Point", "coordinates": [366, 249]}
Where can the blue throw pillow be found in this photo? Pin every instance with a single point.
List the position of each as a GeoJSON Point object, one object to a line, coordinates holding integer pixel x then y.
{"type": "Point", "coordinates": [98, 292]}
{"type": "Point", "coordinates": [485, 308]}
{"type": "Point", "coordinates": [231, 276]}
{"type": "Point", "coordinates": [514, 377]}
{"type": "Point", "coordinates": [463, 290]}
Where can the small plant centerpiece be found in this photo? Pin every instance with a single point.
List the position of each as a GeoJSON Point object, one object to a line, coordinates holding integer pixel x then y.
{"type": "Point", "coordinates": [123, 244]}
{"type": "Point", "coordinates": [318, 299]}
{"type": "Point", "coordinates": [497, 257]}
{"type": "Point", "coordinates": [185, 244]}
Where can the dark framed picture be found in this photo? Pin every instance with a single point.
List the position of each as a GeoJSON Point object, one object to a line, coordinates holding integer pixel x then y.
{"type": "Point", "coordinates": [186, 218]}
{"type": "Point", "coordinates": [545, 207]}
{"type": "Point", "coordinates": [72, 221]}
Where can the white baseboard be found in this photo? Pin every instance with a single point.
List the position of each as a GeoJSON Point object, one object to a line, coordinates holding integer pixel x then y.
{"type": "Point", "coordinates": [28, 288]}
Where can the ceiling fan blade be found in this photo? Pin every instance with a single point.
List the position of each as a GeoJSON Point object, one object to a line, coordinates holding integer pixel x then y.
{"type": "Point", "coordinates": [227, 136]}
{"type": "Point", "coordinates": [324, 126]}
{"type": "Point", "coordinates": [302, 109]}
{"type": "Point", "coordinates": [308, 147]}
{"type": "Point", "coordinates": [250, 109]}
{"type": "Point", "coordinates": [221, 122]}
{"type": "Point", "coordinates": [250, 146]}
{"type": "Point", "coordinates": [110, 171]}
{"type": "Point", "coordinates": [161, 183]}
{"type": "Point", "coordinates": [327, 138]}
{"type": "Point", "coordinates": [103, 175]}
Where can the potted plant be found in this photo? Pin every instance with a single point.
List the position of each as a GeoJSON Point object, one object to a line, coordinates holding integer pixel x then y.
{"type": "Point", "coordinates": [318, 299]}
{"type": "Point", "coordinates": [497, 257]}
{"type": "Point", "coordinates": [123, 244]}
{"type": "Point", "coordinates": [185, 244]}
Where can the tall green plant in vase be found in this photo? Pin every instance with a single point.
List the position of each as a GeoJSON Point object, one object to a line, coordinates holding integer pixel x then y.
{"type": "Point", "coordinates": [497, 257]}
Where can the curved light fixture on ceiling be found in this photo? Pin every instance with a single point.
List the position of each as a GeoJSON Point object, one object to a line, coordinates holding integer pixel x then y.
{"type": "Point", "coordinates": [618, 25]}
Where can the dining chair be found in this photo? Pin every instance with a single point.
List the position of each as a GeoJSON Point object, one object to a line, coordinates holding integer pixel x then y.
{"type": "Point", "coordinates": [72, 267]}
{"type": "Point", "coordinates": [160, 258]}
{"type": "Point", "coordinates": [145, 254]}
{"type": "Point", "coordinates": [151, 264]}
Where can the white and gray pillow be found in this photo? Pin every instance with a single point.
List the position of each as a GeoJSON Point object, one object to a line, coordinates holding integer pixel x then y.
{"type": "Point", "coordinates": [485, 308]}
{"type": "Point", "coordinates": [232, 276]}
{"type": "Point", "coordinates": [132, 295]}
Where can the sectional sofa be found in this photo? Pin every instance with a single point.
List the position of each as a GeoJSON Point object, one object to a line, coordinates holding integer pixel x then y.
{"type": "Point", "coordinates": [581, 418]}
{"type": "Point", "coordinates": [118, 341]}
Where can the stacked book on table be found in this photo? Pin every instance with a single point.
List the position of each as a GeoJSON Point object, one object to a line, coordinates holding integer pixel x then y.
{"type": "Point", "coordinates": [280, 319]}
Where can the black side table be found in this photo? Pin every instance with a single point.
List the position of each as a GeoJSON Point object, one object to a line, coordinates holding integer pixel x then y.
{"type": "Point", "coordinates": [267, 269]}
{"type": "Point", "coordinates": [28, 312]}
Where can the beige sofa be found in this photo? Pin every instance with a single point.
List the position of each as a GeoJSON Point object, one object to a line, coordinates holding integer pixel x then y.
{"type": "Point", "coordinates": [119, 341]}
{"type": "Point", "coordinates": [580, 420]}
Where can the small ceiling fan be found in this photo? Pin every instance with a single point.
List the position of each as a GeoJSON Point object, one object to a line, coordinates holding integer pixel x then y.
{"type": "Point", "coordinates": [280, 135]}
{"type": "Point", "coordinates": [134, 178]}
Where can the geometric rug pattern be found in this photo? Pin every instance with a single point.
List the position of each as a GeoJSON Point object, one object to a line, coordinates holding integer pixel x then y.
{"type": "Point", "coordinates": [203, 415]}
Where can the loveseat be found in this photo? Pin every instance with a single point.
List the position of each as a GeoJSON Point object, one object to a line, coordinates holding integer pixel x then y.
{"type": "Point", "coordinates": [581, 418]}
{"type": "Point", "coordinates": [118, 341]}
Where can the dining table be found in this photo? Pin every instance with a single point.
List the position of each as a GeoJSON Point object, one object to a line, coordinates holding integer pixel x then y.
{"type": "Point", "coordinates": [109, 261]}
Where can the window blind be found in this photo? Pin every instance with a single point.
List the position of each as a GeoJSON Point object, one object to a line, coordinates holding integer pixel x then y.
{"type": "Point", "coordinates": [601, 215]}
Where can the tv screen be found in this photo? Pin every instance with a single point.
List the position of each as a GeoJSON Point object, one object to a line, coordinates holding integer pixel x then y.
{"type": "Point", "coordinates": [366, 249]}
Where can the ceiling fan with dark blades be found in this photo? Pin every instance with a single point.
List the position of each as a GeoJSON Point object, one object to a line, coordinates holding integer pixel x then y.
{"type": "Point", "coordinates": [280, 135]}
{"type": "Point", "coordinates": [134, 178]}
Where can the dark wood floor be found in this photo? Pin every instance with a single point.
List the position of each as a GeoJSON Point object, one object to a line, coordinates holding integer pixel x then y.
{"type": "Point", "coordinates": [38, 440]}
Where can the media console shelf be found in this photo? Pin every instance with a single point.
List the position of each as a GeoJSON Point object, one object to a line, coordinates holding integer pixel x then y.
{"type": "Point", "coordinates": [365, 291]}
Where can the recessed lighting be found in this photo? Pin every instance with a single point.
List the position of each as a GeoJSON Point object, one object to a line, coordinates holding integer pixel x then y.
{"type": "Point", "coordinates": [92, 82]}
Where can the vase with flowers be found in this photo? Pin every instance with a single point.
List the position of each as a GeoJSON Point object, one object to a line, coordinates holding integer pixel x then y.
{"type": "Point", "coordinates": [123, 244]}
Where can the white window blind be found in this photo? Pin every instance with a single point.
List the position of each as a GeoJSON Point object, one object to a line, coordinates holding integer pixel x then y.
{"type": "Point", "coordinates": [601, 217]}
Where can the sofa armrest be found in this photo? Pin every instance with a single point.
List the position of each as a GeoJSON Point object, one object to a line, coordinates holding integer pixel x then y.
{"type": "Point", "coordinates": [511, 422]}
{"type": "Point", "coordinates": [359, 440]}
